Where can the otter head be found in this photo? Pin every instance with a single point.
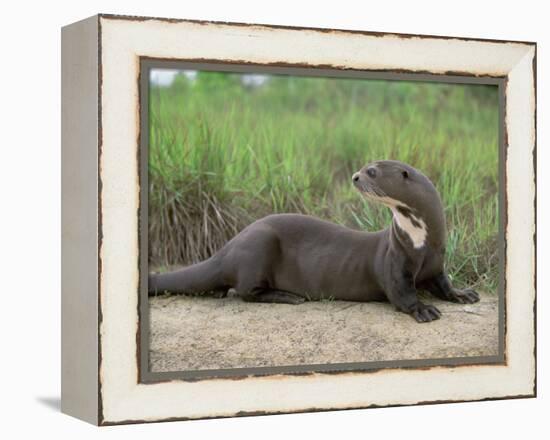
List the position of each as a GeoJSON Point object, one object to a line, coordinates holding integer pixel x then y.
{"type": "Point", "coordinates": [411, 196]}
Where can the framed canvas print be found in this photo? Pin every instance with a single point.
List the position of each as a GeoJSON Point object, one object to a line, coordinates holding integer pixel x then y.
{"type": "Point", "coordinates": [262, 219]}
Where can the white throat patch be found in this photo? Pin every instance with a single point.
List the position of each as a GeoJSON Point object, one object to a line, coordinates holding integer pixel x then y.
{"type": "Point", "coordinates": [417, 234]}
{"type": "Point", "coordinates": [413, 226]}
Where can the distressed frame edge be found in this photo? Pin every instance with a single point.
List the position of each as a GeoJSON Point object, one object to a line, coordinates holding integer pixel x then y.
{"type": "Point", "coordinates": [79, 301]}
{"type": "Point", "coordinates": [125, 17]}
{"type": "Point", "coordinates": [535, 201]}
{"type": "Point", "coordinates": [105, 422]}
{"type": "Point", "coordinates": [314, 410]}
{"type": "Point", "coordinates": [532, 196]}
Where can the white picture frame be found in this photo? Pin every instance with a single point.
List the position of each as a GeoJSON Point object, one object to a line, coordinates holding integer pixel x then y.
{"type": "Point", "coordinates": [101, 276]}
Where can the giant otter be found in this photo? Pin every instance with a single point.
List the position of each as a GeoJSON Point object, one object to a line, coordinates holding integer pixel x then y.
{"type": "Point", "coordinates": [288, 258]}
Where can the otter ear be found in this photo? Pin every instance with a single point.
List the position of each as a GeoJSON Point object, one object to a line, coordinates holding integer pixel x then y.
{"type": "Point", "coordinates": [405, 174]}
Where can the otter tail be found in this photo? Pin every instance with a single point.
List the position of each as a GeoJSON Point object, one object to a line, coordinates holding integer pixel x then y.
{"type": "Point", "coordinates": [198, 278]}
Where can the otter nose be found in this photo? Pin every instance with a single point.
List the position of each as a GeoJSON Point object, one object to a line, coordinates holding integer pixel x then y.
{"type": "Point", "coordinates": [355, 177]}
{"type": "Point", "coordinates": [371, 171]}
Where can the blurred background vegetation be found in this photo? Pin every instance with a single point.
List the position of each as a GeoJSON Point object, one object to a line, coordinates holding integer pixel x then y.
{"type": "Point", "coordinates": [226, 149]}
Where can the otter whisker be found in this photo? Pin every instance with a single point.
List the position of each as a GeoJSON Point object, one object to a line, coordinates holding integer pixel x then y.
{"type": "Point", "coordinates": [370, 192]}
{"type": "Point", "coordinates": [380, 192]}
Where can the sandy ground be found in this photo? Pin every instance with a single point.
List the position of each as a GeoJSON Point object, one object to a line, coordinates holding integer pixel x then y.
{"type": "Point", "coordinates": [192, 333]}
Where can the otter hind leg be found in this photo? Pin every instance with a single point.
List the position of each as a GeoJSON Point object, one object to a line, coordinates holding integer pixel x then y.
{"type": "Point", "coordinates": [273, 296]}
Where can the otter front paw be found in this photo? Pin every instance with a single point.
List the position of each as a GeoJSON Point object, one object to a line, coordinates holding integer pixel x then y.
{"type": "Point", "coordinates": [465, 296]}
{"type": "Point", "coordinates": [424, 312]}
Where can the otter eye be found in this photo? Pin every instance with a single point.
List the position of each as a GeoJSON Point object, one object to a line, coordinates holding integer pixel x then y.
{"type": "Point", "coordinates": [371, 171]}
{"type": "Point", "coordinates": [405, 174]}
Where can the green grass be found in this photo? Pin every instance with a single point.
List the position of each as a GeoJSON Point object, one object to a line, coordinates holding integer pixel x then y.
{"type": "Point", "coordinates": [222, 155]}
